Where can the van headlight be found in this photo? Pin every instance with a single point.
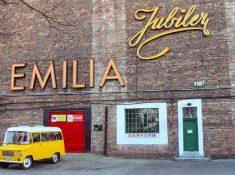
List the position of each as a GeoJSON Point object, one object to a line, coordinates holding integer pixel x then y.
{"type": "Point", "coordinates": [19, 153]}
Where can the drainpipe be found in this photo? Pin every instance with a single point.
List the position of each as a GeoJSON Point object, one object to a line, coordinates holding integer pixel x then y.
{"type": "Point", "coordinates": [105, 130]}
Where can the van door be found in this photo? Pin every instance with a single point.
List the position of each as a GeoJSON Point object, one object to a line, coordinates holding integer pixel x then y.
{"type": "Point", "coordinates": [47, 146]}
{"type": "Point", "coordinates": [36, 146]}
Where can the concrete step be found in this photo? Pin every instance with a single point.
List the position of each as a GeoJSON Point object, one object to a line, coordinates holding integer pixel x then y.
{"type": "Point", "coordinates": [192, 158]}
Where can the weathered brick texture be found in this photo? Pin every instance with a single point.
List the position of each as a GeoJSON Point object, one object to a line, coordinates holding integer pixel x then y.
{"type": "Point", "coordinates": [102, 29]}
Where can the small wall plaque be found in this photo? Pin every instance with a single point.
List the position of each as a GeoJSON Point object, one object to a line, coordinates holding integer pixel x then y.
{"type": "Point", "coordinates": [98, 127]}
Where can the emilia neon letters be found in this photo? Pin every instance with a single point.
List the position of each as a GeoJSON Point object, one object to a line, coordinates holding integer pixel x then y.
{"type": "Point", "coordinates": [178, 20]}
{"type": "Point", "coordinates": [18, 72]}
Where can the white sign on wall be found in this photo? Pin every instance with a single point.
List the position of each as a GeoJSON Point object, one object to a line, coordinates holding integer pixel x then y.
{"type": "Point", "coordinates": [70, 118]}
{"type": "Point", "coordinates": [53, 118]}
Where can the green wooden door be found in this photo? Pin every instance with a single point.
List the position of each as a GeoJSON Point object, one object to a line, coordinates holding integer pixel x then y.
{"type": "Point", "coordinates": [190, 130]}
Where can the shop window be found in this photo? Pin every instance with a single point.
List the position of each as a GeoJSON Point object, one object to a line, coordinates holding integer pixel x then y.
{"type": "Point", "coordinates": [143, 123]}
{"type": "Point", "coordinates": [142, 120]}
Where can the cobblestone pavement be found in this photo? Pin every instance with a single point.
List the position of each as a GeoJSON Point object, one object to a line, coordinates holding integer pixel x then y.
{"type": "Point", "coordinates": [91, 164]}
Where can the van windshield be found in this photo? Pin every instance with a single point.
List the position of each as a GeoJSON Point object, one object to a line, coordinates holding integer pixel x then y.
{"type": "Point", "coordinates": [17, 137]}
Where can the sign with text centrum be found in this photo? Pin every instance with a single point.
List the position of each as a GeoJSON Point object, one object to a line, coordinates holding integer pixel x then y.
{"type": "Point", "coordinates": [178, 20]}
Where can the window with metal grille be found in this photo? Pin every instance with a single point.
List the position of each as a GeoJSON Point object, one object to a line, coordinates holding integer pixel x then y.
{"type": "Point", "coordinates": [143, 120]}
{"type": "Point", "coordinates": [190, 112]}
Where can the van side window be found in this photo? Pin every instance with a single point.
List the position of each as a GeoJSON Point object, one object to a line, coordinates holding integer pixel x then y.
{"type": "Point", "coordinates": [58, 136]}
{"type": "Point", "coordinates": [36, 137]}
{"type": "Point", "coordinates": [45, 137]}
{"type": "Point", "coordinates": [52, 136]}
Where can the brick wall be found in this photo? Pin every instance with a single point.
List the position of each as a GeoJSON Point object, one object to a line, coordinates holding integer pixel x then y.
{"type": "Point", "coordinates": [102, 30]}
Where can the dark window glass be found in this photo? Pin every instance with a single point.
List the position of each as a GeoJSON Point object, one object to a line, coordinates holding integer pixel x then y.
{"type": "Point", "coordinates": [45, 137]}
{"type": "Point", "coordinates": [144, 120]}
{"type": "Point", "coordinates": [52, 136]}
{"type": "Point", "coordinates": [58, 136]}
{"type": "Point", "coordinates": [36, 137]}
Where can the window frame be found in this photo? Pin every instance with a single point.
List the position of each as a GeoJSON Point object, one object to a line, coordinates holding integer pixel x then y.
{"type": "Point", "coordinates": [158, 138]}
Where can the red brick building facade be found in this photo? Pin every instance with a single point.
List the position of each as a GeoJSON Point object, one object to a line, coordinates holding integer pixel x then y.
{"type": "Point", "coordinates": [177, 104]}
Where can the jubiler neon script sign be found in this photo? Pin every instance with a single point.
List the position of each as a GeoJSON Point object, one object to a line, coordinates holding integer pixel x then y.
{"type": "Point", "coordinates": [178, 20]}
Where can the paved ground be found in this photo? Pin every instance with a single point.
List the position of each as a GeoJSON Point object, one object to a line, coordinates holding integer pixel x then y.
{"type": "Point", "coordinates": [90, 164]}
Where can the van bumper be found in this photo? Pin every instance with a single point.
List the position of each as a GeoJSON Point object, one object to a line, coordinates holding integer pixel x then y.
{"type": "Point", "coordinates": [10, 161]}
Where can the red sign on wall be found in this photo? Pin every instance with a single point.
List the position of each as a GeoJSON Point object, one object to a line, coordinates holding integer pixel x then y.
{"type": "Point", "coordinates": [142, 135]}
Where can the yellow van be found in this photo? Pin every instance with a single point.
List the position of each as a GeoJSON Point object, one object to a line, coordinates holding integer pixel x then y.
{"type": "Point", "coordinates": [25, 144]}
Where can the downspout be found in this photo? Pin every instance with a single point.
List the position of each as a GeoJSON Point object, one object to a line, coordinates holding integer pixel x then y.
{"type": "Point", "coordinates": [105, 131]}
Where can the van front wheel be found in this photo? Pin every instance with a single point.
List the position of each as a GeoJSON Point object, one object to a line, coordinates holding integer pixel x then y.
{"type": "Point", "coordinates": [28, 162]}
{"type": "Point", "coordinates": [55, 158]}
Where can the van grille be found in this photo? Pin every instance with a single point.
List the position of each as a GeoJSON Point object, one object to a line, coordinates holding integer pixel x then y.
{"type": "Point", "coordinates": [8, 153]}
